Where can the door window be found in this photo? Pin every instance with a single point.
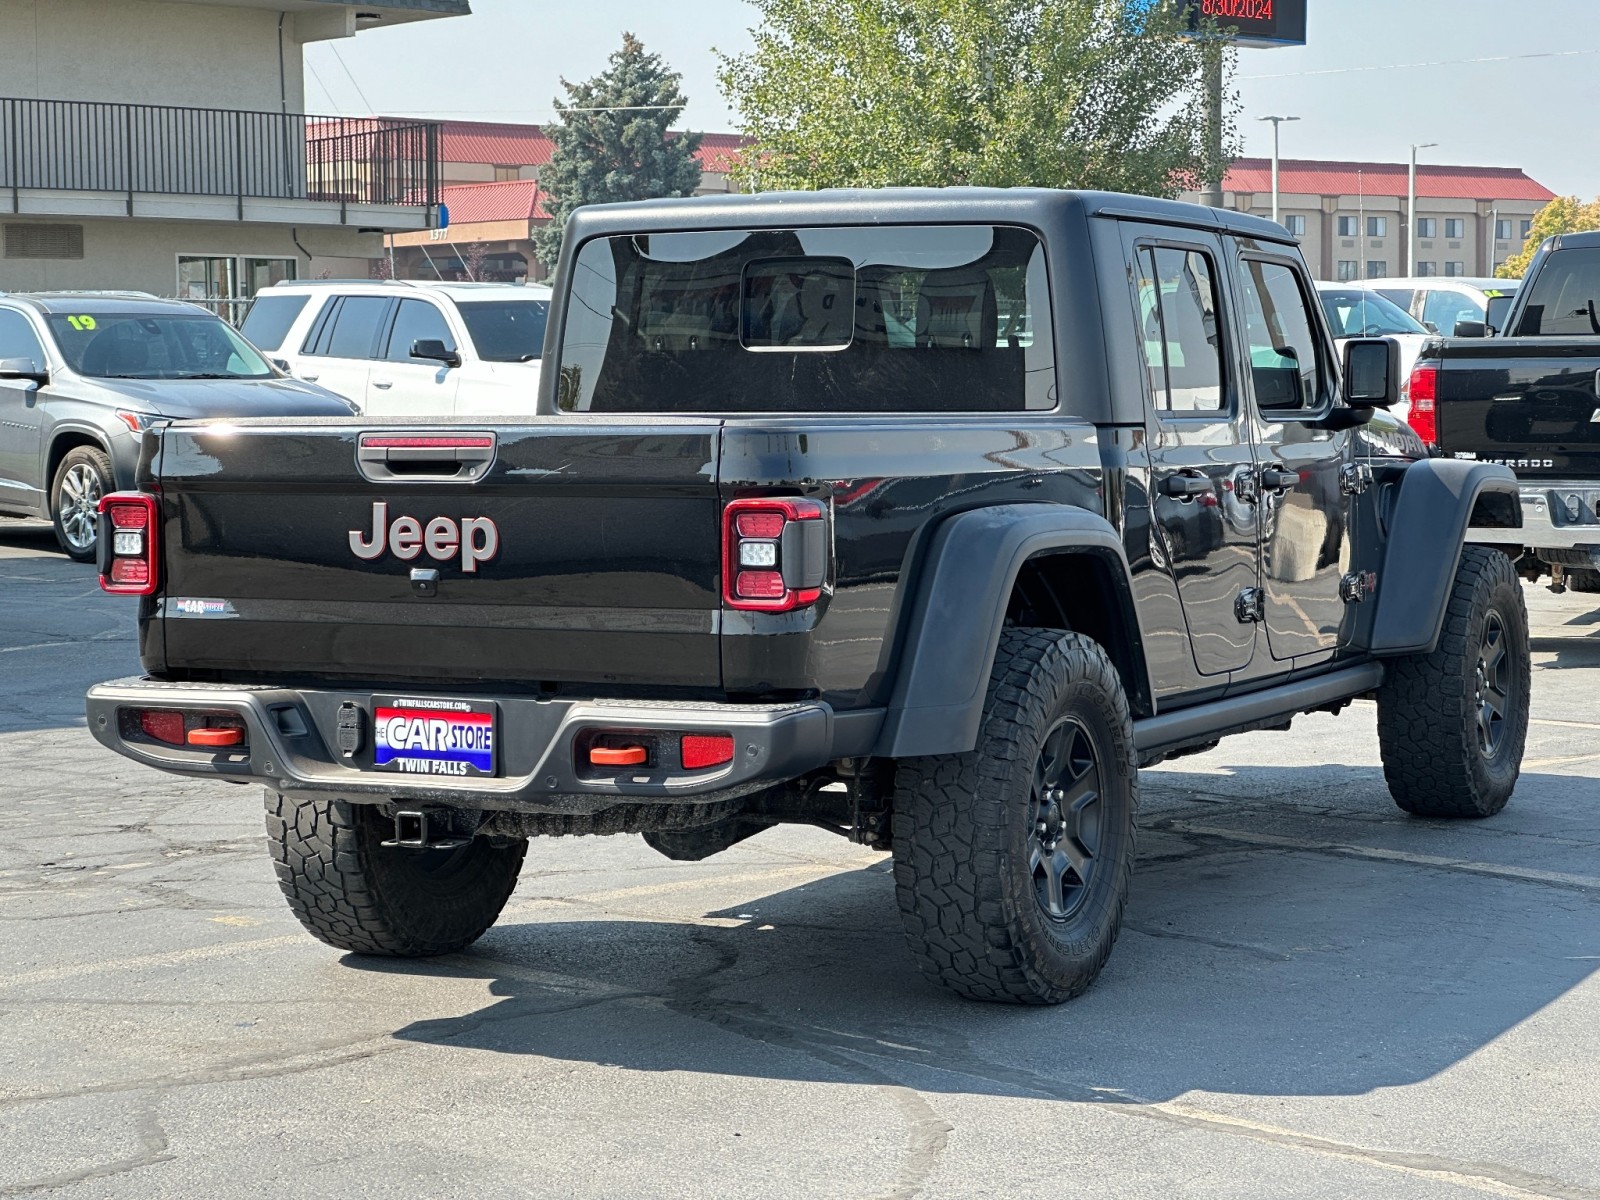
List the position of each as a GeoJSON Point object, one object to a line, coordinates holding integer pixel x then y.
{"type": "Point", "coordinates": [417, 321]}
{"type": "Point", "coordinates": [352, 332]}
{"type": "Point", "coordinates": [17, 338]}
{"type": "Point", "coordinates": [1178, 311]}
{"type": "Point", "coordinates": [210, 281]}
{"type": "Point", "coordinates": [1283, 338]}
{"type": "Point", "coordinates": [1442, 309]}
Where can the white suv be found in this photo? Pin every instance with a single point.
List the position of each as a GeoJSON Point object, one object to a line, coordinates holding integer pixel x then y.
{"type": "Point", "coordinates": [408, 349]}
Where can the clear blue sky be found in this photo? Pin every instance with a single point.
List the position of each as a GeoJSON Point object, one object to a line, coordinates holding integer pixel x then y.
{"type": "Point", "coordinates": [504, 64]}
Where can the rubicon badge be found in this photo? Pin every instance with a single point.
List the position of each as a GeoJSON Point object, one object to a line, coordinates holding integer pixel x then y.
{"type": "Point", "coordinates": [475, 539]}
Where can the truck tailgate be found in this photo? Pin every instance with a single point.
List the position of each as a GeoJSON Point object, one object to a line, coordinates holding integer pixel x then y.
{"type": "Point", "coordinates": [582, 551]}
{"type": "Point", "coordinates": [1530, 402]}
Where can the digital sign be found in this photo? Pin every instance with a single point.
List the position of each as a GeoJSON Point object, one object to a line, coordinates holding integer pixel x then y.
{"type": "Point", "coordinates": [1257, 22]}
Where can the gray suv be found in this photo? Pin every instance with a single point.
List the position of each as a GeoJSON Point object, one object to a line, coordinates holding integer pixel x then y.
{"type": "Point", "coordinates": [83, 374]}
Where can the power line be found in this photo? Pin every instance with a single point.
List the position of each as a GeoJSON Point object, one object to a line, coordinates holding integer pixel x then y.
{"type": "Point", "coordinates": [352, 79]}
{"type": "Point", "coordinates": [1447, 62]}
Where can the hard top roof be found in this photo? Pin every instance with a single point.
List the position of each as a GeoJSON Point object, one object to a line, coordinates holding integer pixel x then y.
{"type": "Point", "coordinates": [1578, 241]}
{"type": "Point", "coordinates": [105, 303]}
{"type": "Point", "coordinates": [463, 290]}
{"type": "Point", "coordinates": [1040, 207]}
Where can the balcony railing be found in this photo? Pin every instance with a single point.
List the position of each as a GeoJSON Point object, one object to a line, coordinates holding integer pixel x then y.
{"type": "Point", "coordinates": [72, 145]}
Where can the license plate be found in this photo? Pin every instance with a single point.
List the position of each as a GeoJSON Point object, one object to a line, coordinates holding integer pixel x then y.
{"type": "Point", "coordinates": [419, 735]}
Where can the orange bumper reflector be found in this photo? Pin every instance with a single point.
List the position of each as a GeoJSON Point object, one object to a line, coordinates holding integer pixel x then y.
{"type": "Point", "coordinates": [617, 756]}
{"type": "Point", "coordinates": [216, 737]}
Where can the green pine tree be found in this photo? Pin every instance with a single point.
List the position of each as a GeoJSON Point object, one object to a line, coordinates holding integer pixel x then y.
{"type": "Point", "coordinates": [612, 143]}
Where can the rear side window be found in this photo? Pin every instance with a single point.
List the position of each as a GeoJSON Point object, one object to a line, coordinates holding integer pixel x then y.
{"type": "Point", "coordinates": [1182, 334]}
{"type": "Point", "coordinates": [270, 319]}
{"type": "Point", "coordinates": [1565, 300]}
{"type": "Point", "coordinates": [350, 330]}
{"type": "Point", "coordinates": [844, 319]}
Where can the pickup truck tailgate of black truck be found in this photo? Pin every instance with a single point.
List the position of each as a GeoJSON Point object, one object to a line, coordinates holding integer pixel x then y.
{"type": "Point", "coordinates": [575, 552]}
{"type": "Point", "coordinates": [1529, 402]}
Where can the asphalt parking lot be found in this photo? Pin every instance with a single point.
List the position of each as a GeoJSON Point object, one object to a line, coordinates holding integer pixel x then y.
{"type": "Point", "coordinates": [1314, 995]}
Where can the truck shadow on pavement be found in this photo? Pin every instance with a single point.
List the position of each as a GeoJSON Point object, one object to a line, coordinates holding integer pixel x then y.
{"type": "Point", "coordinates": [1242, 968]}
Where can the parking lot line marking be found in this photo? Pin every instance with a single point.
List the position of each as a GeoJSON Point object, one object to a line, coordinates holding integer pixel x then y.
{"type": "Point", "coordinates": [1563, 724]}
{"type": "Point", "coordinates": [167, 958]}
{"type": "Point", "coordinates": [1588, 883]}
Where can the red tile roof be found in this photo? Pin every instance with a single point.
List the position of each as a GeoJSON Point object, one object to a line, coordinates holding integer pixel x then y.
{"type": "Point", "coordinates": [1316, 178]}
{"type": "Point", "coordinates": [513, 200]}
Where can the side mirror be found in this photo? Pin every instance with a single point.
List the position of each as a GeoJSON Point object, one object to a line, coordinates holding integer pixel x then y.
{"type": "Point", "coordinates": [1430, 327]}
{"type": "Point", "coordinates": [23, 368]}
{"type": "Point", "coordinates": [282, 364]}
{"type": "Point", "coordinates": [1371, 372]}
{"type": "Point", "coordinates": [1495, 316]}
{"type": "Point", "coordinates": [1471, 329]}
{"type": "Point", "coordinates": [435, 351]}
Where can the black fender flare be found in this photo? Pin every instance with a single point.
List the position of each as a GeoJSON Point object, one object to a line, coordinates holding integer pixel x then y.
{"type": "Point", "coordinates": [1427, 529]}
{"type": "Point", "coordinates": [959, 609]}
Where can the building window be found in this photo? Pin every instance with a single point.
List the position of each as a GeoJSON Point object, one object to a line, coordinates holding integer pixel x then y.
{"type": "Point", "coordinates": [1502, 230]}
{"type": "Point", "coordinates": [1377, 269]}
{"type": "Point", "coordinates": [264, 272]}
{"type": "Point", "coordinates": [507, 174]}
{"type": "Point", "coordinates": [1527, 228]}
{"type": "Point", "coordinates": [209, 281]}
{"type": "Point", "coordinates": [1377, 226]}
{"type": "Point", "coordinates": [1348, 227]}
{"type": "Point", "coordinates": [1349, 269]}
{"type": "Point", "coordinates": [1455, 268]}
{"type": "Point", "coordinates": [1427, 227]}
{"type": "Point", "coordinates": [1427, 268]}
{"type": "Point", "coordinates": [1295, 223]}
{"type": "Point", "coordinates": [1454, 227]}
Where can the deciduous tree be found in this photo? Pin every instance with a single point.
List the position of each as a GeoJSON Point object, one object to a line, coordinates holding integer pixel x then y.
{"type": "Point", "coordinates": [1564, 214]}
{"type": "Point", "coordinates": [612, 142]}
{"type": "Point", "coordinates": [1057, 93]}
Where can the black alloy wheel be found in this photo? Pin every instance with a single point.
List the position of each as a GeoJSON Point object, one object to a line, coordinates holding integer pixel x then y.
{"type": "Point", "coordinates": [1495, 684]}
{"type": "Point", "coordinates": [1065, 842]}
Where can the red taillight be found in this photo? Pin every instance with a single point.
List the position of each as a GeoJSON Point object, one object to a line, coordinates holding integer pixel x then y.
{"type": "Point", "coordinates": [774, 554]}
{"type": "Point", "coordinates": [1424, 413]}
{"type": "Point", "coordinates": [699, 750]}
{"type": "Point", "coordinates": [163, 726]}
{"type": "Point", "coordinates": [128, 563]}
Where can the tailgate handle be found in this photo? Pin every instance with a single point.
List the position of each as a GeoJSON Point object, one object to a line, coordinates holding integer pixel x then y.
{"type": "Point", "coordinates": [425, 457]}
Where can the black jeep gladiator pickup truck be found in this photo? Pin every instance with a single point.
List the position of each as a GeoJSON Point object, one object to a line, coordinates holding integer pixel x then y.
{"type": "Point", "coordinates": [924, 516]}
{"type": "Point", "coordinates": [1528, 397]}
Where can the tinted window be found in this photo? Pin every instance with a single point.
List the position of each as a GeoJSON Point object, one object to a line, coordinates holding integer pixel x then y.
{"type": "Point", "coordinates": [506, 330]}
{"type": "Point", "coordinates": [1566, 295]}
{"type": "Point", "coordinates": [154, 346]}
{"type": "Point", "coordinates": [1182, 335]}
{"type": "Point", "coordinates": [353, 331]}
{"type": "Point", "coordinates": [1442, 309]}
{"type": "Point", "coordinates": [417, 321]}
{"type": "Point", "coordinates": [930, 320]}
{"type": "Point", "coordinates": [1358, 312]}
{"type": "Point", "coordinates": [1283, 341]}
{"type": "Point", "coordinates": [270, 318]}
{"type": "Point", "coordinates": [17, 339]}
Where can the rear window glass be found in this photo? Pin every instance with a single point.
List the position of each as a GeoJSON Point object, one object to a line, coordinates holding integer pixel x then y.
{"type": "Point", "coordinates": [270, 318]}
{"type": "Point", "coordinates": [1565, 296]}
{"type": "Point", "coordinates": [883, 319]}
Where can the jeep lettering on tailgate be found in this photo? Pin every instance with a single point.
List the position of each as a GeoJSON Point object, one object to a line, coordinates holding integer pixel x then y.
{"type": "Point", "coordinates": [477, 539]}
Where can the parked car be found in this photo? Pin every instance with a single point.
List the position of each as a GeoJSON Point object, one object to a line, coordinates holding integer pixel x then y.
{"type": "Point", "coordinates": [1439, 301]}
{"type": "Point", "coordinates": [409, 349]}
{"type": "Point", "coordinates": [759, 557]}
{"type": "Point", "coordinates": [82, 375]}
{"type": "Point", "coordinates": [1355, 312]}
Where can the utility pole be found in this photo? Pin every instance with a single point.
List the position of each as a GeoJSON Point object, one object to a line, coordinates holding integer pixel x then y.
{"type": "Point", "coordinates": [1411, 210]}
{"type": "Point", "coordinates": [1276, 122]}
{"type": "Point", "coordinates": [1213, 49]}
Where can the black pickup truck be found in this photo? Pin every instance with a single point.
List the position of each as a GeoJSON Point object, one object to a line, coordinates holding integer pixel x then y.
{"type": "Point", "coordinates": [1527, 396]}
{"type": "Point", "coordinates": [927, 517]}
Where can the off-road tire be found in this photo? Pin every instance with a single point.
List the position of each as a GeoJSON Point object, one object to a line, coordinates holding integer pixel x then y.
{"type": "Point", "coordinates": [355, 894]}
{"type": "Point", "coordinates": [964, 828]}
{"type": "Point", "coordinates": [75, 463]}
{"type": "Point", "coordinates": [1434, 754]}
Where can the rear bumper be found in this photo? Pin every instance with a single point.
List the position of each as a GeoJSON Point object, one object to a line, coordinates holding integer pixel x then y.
{"type": "Point", "coordinates": [1555, 516]}
{"type": "Point", "coordinates": [292, 739]}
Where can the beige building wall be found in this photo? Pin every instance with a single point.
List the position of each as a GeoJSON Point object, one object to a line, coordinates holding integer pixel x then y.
{"type": "Point", "coordinates": [150, 52]}
{"type": "Point", "coordinates": [143, 255]}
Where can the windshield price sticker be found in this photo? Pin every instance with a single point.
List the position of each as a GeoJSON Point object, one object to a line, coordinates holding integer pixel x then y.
{"type": "Point", "coordinates": [417, 736]}
{"type": "Point", "coordinates": [81, 323]}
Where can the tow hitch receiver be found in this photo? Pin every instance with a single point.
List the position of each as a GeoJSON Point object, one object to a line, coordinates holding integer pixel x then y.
{"type": "Point", "coordinates": [416, 829]}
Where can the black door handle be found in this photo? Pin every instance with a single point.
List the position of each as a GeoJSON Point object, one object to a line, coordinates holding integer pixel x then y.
{"type": "Point", "coordinates": [1274, 480]}
{"type": "Point", "coordinates": [1185, 486]}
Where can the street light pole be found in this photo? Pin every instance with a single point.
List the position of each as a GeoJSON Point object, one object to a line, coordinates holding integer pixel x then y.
{"type": "Point", "coordinates": [1276, 121]}
{"type": "Point", "coordinates": [1411, 210]}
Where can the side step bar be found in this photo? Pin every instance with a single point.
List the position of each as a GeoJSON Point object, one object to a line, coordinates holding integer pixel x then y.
{"type": "Point", "coordinates": [1237, 714]}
